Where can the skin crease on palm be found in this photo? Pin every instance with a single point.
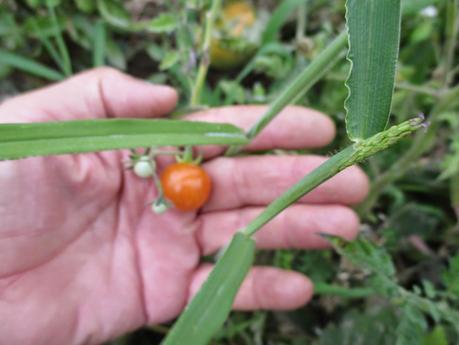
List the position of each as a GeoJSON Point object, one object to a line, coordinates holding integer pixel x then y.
{"type": "Point", "coordinates": [82, 257]}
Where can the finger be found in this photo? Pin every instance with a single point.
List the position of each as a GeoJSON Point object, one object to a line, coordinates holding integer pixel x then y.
{"type": "Point", "coordinates": [295, 127]}
{"type": "Point", "coordinates": [265, 288]}
{"type": "Point", "coordinates": [258, 180]}
{"type": "Point", "coordinates": [99, 93]}
{"type": "Point", "coordinates": [298, 227]}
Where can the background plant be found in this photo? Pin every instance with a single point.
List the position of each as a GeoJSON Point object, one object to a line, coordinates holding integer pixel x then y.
{"type": "Point", "coordinates": [411, 210]}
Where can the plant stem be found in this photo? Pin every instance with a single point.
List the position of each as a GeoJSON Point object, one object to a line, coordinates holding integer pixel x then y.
{"type": "Point", "coordinates": [301, 24]}
{"type": "Point", "coordinates": [349, 156]}
{"type": "Point", "coordinates": [325, 171]}
{"type": "Point", "coordinates": [421, 144]}
{"type": "Point", "coordinates": [452, 28]}
{"type": "Point", "coordinates": [315, 70]}
{"type": "Point", "coordinates": [211, 16]}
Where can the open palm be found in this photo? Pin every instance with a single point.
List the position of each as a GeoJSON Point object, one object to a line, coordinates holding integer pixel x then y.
{"type": "Point", "coordinates": [82, 257]}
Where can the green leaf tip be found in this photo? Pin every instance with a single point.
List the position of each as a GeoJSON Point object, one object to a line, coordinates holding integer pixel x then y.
{"type": "Point", "coordinates": [374, 36]}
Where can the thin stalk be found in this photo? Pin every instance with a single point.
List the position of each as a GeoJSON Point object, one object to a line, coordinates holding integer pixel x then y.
{"type": "Point", "coordinates": [452, 28]}
{"type": "Point", "coordinates": [61, 43]}
{"type": "Point", "coordinates": [301, 23]}
{"type": "Point", "coordinates": [325, 171]}
{"type": "Point", "coordinates": [421, 144]}
{"type": "Point", "coordinates": [315, 70]}
{"type": "Point", "coordinates": [349, 156]}
{"type": "Point", "coordinates": [205, 59]}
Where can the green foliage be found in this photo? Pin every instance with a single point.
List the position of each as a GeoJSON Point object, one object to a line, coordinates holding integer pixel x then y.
{"type": "Point", "coordinates": [451, 276]}
{"type": "Point", "coordinates": [414, 305]}
{"type": "Point", "coordinates": [436, 337]}
{"type": "Point", "coordinates": [412, 325]}
{"type": "Point", "coordinates": [375, 327]}
{"type": "Point", "coordinates": [371, 294]}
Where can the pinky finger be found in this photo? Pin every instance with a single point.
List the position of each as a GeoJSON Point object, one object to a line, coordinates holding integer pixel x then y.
{"type": "Point", "coordinates": [264, 288]}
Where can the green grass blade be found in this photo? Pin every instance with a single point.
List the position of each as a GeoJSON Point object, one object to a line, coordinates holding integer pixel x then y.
{"type": "Point", "coordinates": [99, 44]}
{"type": "Point", "coordinates": [374, 37]}
{"type": "Point", "coordinates": [49, 47]}
{"type": "Point", "coordinates": [27, 65]}
{"type": "Point", "coordinates": [211, 306]}
{"type": "Point", "coordinates": [278, 18]}
{"type": "Point", "coordinates": [60, 42]}
{"type": "Point", "coordinates": [51, 138]}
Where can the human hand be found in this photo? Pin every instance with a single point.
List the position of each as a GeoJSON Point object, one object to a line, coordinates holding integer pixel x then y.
{"type": "Point", "coordinates": [84, 259]}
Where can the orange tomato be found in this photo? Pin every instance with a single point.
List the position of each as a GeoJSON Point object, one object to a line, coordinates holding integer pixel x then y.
{"type": "Point", "coordinates": [186, 185]}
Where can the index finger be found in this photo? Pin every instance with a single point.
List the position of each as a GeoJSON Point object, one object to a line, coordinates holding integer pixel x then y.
{"type": "Point", "coordinates": [294, 128]}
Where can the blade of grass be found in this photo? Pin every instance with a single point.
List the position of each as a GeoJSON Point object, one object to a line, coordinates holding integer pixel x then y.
{"type": "Point", "coordinates": [27, 65]}
{"type": "Point", "coordinates": [374, 38]}
{"type": "Point", "coordinates": [211, 306]}
{"type": "Point", "coordinates": [52, 51]}
{"type": "Point", "coordinates": [278, 18]}
{"type": "Point", "coordinates": [98, 57]}
{"type": "Point", "coordinates": [51, 138]}
{"type": "Point", "coordinates": [60, 42]}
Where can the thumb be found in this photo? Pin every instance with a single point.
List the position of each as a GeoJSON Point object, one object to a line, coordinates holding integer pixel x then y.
{"type": "Point", "coordinates": [98, 93]}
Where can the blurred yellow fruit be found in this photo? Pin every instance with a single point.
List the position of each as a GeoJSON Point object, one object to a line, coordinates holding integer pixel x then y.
{"type": "Point", "coordinates": [230, 47]}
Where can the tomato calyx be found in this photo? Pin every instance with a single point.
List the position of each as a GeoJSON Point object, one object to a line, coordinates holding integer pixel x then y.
{"type": "Point", "coordinates": [187, 157]}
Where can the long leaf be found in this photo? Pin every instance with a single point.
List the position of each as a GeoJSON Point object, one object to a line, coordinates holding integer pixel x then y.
{"type": "Point", "coordinates": [27, 65]}
{"type": "Point", "coordinates": [210, 307]}
{"type": "Point", "coordinates": [51, 138]}
{"type": "Point", "coordinates": [374, 37]}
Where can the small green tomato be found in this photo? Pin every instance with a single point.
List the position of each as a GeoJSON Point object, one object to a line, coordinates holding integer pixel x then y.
{"type": "Point", "coordinates": [159, 206]}
{"type": "Point", "coordinates": [144, 167]}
